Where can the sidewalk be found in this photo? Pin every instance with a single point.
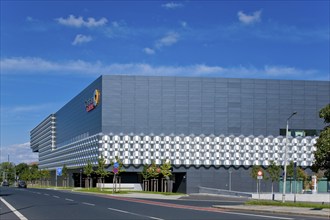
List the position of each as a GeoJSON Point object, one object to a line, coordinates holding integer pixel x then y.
{"type": "Point", "coordinates": [272, 209]}
{"type": "Point", "coordinates": [278, 209]}
{"type": "Point", "coordinates": [149, 196]}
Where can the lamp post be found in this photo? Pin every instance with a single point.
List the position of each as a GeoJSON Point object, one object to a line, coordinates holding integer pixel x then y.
{"type": "Point", "coordinates": [80, 178]}
{"type": "Point", "coordinates": [230, 179]}
{"type": "Point", "coordinates": [286, 155]}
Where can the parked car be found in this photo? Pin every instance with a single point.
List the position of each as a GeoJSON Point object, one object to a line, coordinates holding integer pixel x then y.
{"type": "Point", "coordinates": [5, 183]}
{"type": "Point", "coordinates": [21, 184]}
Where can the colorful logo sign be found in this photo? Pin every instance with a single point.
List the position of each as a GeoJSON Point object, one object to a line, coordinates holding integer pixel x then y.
{"type": "Point", "coordinates": [92, 102]}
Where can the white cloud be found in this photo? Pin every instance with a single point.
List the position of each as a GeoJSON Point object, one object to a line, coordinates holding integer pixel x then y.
{"type": "Point", "coordinates": [18, 153]}
{"type": "Point", "coordinates": [168, 40]}
{"type": "Point", "coordinates": [149, 51]}
{"type": "Point", "coordinates": [73, 21]}
{"type": "Point", "coordinates": [172, 5]}
{"type": "Point", "coordinates": [79, 39]}
{"type": "Point", "coordinates": [40, 66]}
{"type": "Point", "coordinates": [249, 19]}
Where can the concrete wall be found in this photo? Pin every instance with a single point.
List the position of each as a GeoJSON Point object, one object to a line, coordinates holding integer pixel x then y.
{"type": "Point", "coordinates": [219, 178]}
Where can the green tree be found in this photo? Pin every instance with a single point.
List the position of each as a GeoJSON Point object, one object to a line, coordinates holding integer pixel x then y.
{"type": "Point", "coordinates": [290, 173]}
{"type": "Point", "coordinates": [273, 171]}
{"type": "Point", "coordinates": [44, 176]}
{"type": "Point", "coordinates": [322, 153]}
{"type": "Point", "coordinates": [7, 172]}
{"type": "Point", "coordinates": [21, 168]}
{"type": "Point", "coordinates": [153, 170]}
{"type": "Point", "coordinates": [65, 174]}
{"type": "Point", "coordinates": [145, 174]}
{"type": "Point", "coordinates": [165, 169]}
{"type": "Point", "coordinates": [34, 173]}
{"type": "Point", "coordinates": [101, 171]}
{"type": "Point", "coordinates": [88, 171]}
{"type": "Point", "coordinates": [302, 175]}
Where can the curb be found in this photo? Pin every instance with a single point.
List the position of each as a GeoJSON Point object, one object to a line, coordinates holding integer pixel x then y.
{"type": "Point", "coordinates": [270, 209]}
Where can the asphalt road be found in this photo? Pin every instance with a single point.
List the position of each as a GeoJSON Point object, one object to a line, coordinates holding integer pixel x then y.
{"type": "Point", "coordinates": [35, 204]}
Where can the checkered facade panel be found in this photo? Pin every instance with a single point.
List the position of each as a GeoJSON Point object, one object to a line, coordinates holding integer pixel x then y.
{"type": "Point", "coordinates": [206, 150]}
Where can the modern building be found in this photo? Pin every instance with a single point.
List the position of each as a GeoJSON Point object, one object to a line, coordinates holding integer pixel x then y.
{"type": "Point", "coordinates": [212, 130]}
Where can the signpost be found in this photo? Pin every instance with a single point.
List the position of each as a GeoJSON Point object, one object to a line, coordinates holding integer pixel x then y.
{"type": "Point", "coordinates": [259, 179]}
{"type": "Point", "coordinates": [58, 173]}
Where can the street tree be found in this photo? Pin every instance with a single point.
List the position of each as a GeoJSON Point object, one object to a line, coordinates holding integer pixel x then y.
{"type": "Point", "coordinates": [88, 171]}
{"type": "Point", "coordinates": [322, 153]}
{"type": "Point", "coordinates": [273, 171]}
{"type": "Point", "coordinates": [21, 168]}
{"type": "Point", "coordinates": [7, 172]}
{"type": "Point", "coordinates": [165, 169]}
{"type": "Point", "coordinates": [34, 173]}
{"type": "Point", "coordinates": [290, 173]}
{"type": "Point", "coordinates": [65, 174]}
{"type": "Point", "coordinates": [101, 171]}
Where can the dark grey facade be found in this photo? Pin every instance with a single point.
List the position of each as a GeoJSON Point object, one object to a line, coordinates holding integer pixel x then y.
{"type": "Point", "coordinates": [210, 129]}
{"type": "Point", "coordinates": [178, 105]}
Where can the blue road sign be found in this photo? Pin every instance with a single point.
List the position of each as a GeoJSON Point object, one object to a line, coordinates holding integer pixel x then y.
{"type": "Point", "coordinates": [59, 171]}
{"type": "Point", "coordinates": [116, 165]}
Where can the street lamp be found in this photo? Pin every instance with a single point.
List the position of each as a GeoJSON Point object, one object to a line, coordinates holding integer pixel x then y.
{"type": "Point", "coordinates": [286, 155]}
{"type": "Point", "coordinates": [80, 178]}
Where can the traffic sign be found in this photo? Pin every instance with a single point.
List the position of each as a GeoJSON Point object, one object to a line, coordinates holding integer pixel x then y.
{"type": "Point", "coordinates": [59, 171]}
{"type": "Point", "coordinates": [259, 173]}
{"type": "Point", "coordinates": [116, 165]}
{"type": "Point", "coordinates": [259, 177]}
{"type": "Point", "coordinates": [115, 170]}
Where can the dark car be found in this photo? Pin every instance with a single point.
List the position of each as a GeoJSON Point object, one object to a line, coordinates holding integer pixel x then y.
{"type": "Point", "coordinates": [21, 184]}
{"type": "Point", "coordinates": [5, 183]}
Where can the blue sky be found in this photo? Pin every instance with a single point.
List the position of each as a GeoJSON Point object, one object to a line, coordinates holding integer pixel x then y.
{"type": "Point", "coordinates": [51, 50]}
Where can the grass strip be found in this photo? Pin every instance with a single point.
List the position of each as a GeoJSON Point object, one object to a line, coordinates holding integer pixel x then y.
{"type": "Point", "coordinates": [288, 204]}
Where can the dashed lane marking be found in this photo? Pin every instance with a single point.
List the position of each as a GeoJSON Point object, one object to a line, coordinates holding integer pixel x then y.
{"type": "Point", "coordinates": [56, 197]}
{"type": "Point", "coordinates": [71, 200]}
{"type": "Point", "coordinates": [86, 203]}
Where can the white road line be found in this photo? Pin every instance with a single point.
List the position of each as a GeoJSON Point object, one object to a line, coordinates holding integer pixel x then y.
{"type": "Point", "coordinates": [46, 194]}
{"type": "Point", "coordinates": [69, 200]}
{"type": "Point", "coordinates": [86, 203]}
{"type": "Point", "coordinates": [263, 216]}
{"type": "Point", "coordinates": [117, 210]}
{"type": "Point", "coordinates": [17, 213]}
{"type": "Point", "coordinates": [39, 193]}
{"type": "Point", "coordinates": [56, 197]}
{"type": "Point", "coordinates": [132, 213]}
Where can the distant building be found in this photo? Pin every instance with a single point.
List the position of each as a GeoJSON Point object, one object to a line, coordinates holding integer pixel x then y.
{"type": "Point", "coordinates": [212, 130]}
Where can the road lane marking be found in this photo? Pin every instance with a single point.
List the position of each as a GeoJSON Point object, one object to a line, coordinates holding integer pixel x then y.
{"type": "Point", "coordinates": [46, 194]}
{"type": "Point", "coordinates": [136, 214]}
{"type": "Point", "coordinates": [195, 208]}
{"type": "Point", "coordinates": [118, 210]}
{"type": "Point", "coordinates": [71, 200]}
{"type": "Point", "coordinates": [17, 213]}
{"type": "Point", "coordinates": [86, 203]}
{"type": "Point", "coordinates": [39, 193]}
{"type": "Point", "coordinates": [56, 197]}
